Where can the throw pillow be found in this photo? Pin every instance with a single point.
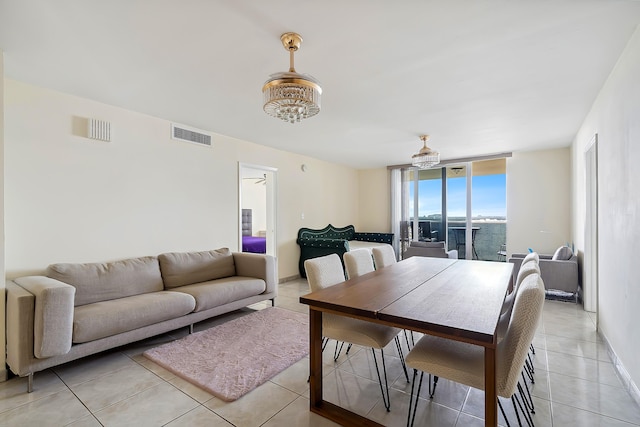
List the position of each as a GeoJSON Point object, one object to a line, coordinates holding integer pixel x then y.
{"type": "Point", "coordinates": [563, 253]}
{"type": "Point", "coordinates": [186, 268]}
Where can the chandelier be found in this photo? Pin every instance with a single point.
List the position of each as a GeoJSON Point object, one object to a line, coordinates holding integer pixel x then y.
{"type": "Point", "coordinates": [291, 96]}
{"type": "Point", "coordinates": [426, 157]}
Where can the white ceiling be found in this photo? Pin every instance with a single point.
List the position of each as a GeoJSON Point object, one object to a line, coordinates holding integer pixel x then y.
{"type": "Point", "coordinates": [480, 77]}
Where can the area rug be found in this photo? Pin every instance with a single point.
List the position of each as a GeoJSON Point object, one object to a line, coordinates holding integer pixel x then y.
{"type": "Point", "coordinates": [232, 359]}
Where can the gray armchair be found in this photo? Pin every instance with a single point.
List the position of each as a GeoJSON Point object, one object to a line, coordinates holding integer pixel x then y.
{"type": "Point", "coordinates": [559, 271]}
{"type": "Point", "coordinates": [429, 249]}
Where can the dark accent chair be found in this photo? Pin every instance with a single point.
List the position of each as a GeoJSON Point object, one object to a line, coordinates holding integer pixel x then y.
{"type": "Point", "coordinates": [332, 240]}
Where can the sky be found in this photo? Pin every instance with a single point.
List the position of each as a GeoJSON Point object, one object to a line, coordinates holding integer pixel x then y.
{"type": "Point", "coordinates": [489, 196]}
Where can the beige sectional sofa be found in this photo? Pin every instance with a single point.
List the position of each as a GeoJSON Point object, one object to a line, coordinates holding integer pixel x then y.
{"type": "Point", "coordinates": [81, 309]}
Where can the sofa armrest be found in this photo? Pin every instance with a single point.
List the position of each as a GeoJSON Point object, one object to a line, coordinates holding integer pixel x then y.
{"type": "Point", "coordinates": [53, 314]}
{"type": "Point", "coordinates": [257, 265]}
{"type": "Point", "coordinates": [374, 237]}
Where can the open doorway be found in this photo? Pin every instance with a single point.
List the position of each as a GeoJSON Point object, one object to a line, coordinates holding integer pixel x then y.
{"type": "Point", "coordinates": [257, 210]}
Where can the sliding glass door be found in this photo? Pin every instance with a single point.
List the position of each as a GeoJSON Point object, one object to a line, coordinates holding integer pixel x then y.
{"type": "Point", "coordinates": [462, 204]}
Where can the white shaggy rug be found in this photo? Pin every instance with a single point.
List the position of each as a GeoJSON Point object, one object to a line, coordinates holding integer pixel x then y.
{"type": "Point", "coordinates": [232, 359]}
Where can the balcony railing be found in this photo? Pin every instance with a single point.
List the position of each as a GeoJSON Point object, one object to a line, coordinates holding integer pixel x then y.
{"type": "Point", "coordinates": [488, 238]}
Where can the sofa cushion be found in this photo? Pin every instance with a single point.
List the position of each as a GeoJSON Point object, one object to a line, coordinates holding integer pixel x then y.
{"type": "Point", "coordinates": [222, 291]}
{"type": "Point", "coordinates": [186, 268]}
{"type": "Point", "coordinates": [107, 318]}
{"type": "Point", "coordinates": [96, 282]}
{"type": "Point", "coordinates": [563, 253]}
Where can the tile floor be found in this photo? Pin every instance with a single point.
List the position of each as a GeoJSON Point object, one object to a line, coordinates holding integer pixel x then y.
{"type": "Point", "coordinates": [576, 385]}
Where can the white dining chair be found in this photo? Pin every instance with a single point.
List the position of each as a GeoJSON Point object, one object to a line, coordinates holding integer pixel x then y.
{"type": "Point", "coordinates": [326, 271]}
{"type": "Point", "coordinates": [525, 270]}
{"type": "Point", "coordinates": [531, 256]}
{"type": "Point", "coordinates": [383, 256]}
{"type": "Point", "coordinates": [464, 363]}
{"type": "Point", "coordinates": [358, 262]}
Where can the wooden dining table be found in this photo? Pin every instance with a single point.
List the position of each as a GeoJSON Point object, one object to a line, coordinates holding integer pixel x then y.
{"type": "Point", "coordinates": [455, 299]}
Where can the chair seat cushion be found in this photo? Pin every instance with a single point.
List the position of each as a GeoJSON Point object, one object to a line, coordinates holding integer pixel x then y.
{"type": "Point", "coordinates": [358, 332]}
{"type": "Point", "coordinates": [454, 360]}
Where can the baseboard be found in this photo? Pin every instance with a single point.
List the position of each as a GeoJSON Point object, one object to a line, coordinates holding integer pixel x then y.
{"type": "Point", "coordinates": [289, 279]}
{"type": "Point", "coordinates": [627, 382]}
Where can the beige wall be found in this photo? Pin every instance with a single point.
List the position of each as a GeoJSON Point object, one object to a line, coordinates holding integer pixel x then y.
{"type": "Point", "coordinates": [73, 199]}
{"type": "Point", "coordinates": [615, 118]}
{"type": "Point", "coordinates": [374, 200]}
{"type": "Point", "coordinates": [539, 201]}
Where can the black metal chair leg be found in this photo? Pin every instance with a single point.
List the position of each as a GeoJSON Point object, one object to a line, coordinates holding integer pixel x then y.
{"type": "Point", "coordinates": [411, 417]}
{"type": "Point", "coordinates": [385, 398]}
{"type": "Point", "coordinates": [527, 416]}
{"type": "Point", "coordinates": [525, 413]}
{"type": "Point", "coordinates": [528, 372]}
{"type": "Point", "coordinates": [435, 383]}
{"type": "Point", "coordinates": [533, 368]}
{"type": "Point", "coordinates": [513, 401]}
{"type": "Point", "coordinates": [406, 338]}
{"type": "Point", "coordinates": [504, 415]}
{"type": "Point", "coordinates": [348, 348]}
{"type": "Point", "coordinates": [529, 399]}
{"type": "Point", "coordinates": [337, 351]}
{"type": "Point", "coordinates": [401, 354]}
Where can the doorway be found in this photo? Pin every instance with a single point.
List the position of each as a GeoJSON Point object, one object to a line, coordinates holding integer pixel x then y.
{"type": "Point", "coordinates": [257, 208]}
{"type": "Point", "coordinates": [590, 266]}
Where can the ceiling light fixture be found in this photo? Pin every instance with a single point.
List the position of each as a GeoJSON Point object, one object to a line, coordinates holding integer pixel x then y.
{"type": "Point", "coordinates": [426, 157]}
{"type": "Point", "coordinates": [291, 96]}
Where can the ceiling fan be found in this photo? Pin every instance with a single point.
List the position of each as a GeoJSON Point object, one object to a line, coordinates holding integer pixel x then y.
{"type": "Point", "coordinates": [262, 180]}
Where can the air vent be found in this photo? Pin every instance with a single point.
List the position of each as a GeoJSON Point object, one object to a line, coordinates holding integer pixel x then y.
{"type": "Point", "coordinates": [196, 136]}
{"type": "Point", "coordinates": [99, 129]}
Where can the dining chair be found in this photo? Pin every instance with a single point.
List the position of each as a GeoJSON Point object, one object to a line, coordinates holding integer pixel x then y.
{"type": "Point", "coordinates": [525, 270]}
{"type": "Point", "coordinates": [531, 256]}
{"type": "Point", "coordinates": [383, 256]}
{"type": "Point", "coordinates": [464, 363]}
{"type": "Point", "coordinates": [358, 262]}
{"type": "Point", "coordinates": [531, 267]}
{"type": "Point", "coordinates": [326, 271]}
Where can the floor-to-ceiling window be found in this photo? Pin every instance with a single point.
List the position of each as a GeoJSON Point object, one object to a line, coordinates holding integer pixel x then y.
{"type": "Point", "coordinates": [463, 204]}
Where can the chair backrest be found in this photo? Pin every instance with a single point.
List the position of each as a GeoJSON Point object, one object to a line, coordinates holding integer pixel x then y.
{"type": "Point", "coordinates": [531, 256]}
{"type": "Point", "coordinates": [512, 350]}
{"type": "Point", "coordinates": [358, 262]}
{"type": "Point", "coordinates": [435, 252]}
{"type": "Point", "coordinates": [324, 271]}
{"type": "Point", "coordinates": [507, 306]}
{"type": "Point", "coordinates": [383, 256]}
{"type": "Point", "coordinates": [525, 270]}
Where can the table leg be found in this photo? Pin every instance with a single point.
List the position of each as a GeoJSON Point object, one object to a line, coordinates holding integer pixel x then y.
{"type": "Point", "coordinates": [315, 357]}
{"type": "Point", "coordinates": [490, 392]}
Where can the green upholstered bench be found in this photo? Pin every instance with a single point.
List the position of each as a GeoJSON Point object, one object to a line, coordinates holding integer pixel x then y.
{"type": "Point", "coordinates": [334, 240]}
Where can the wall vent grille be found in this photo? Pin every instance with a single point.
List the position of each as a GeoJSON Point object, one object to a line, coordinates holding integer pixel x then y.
{"type": "Point", "coordinates": [99, 129]}
{"type": "Point", "coordinates": [195, 136]}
